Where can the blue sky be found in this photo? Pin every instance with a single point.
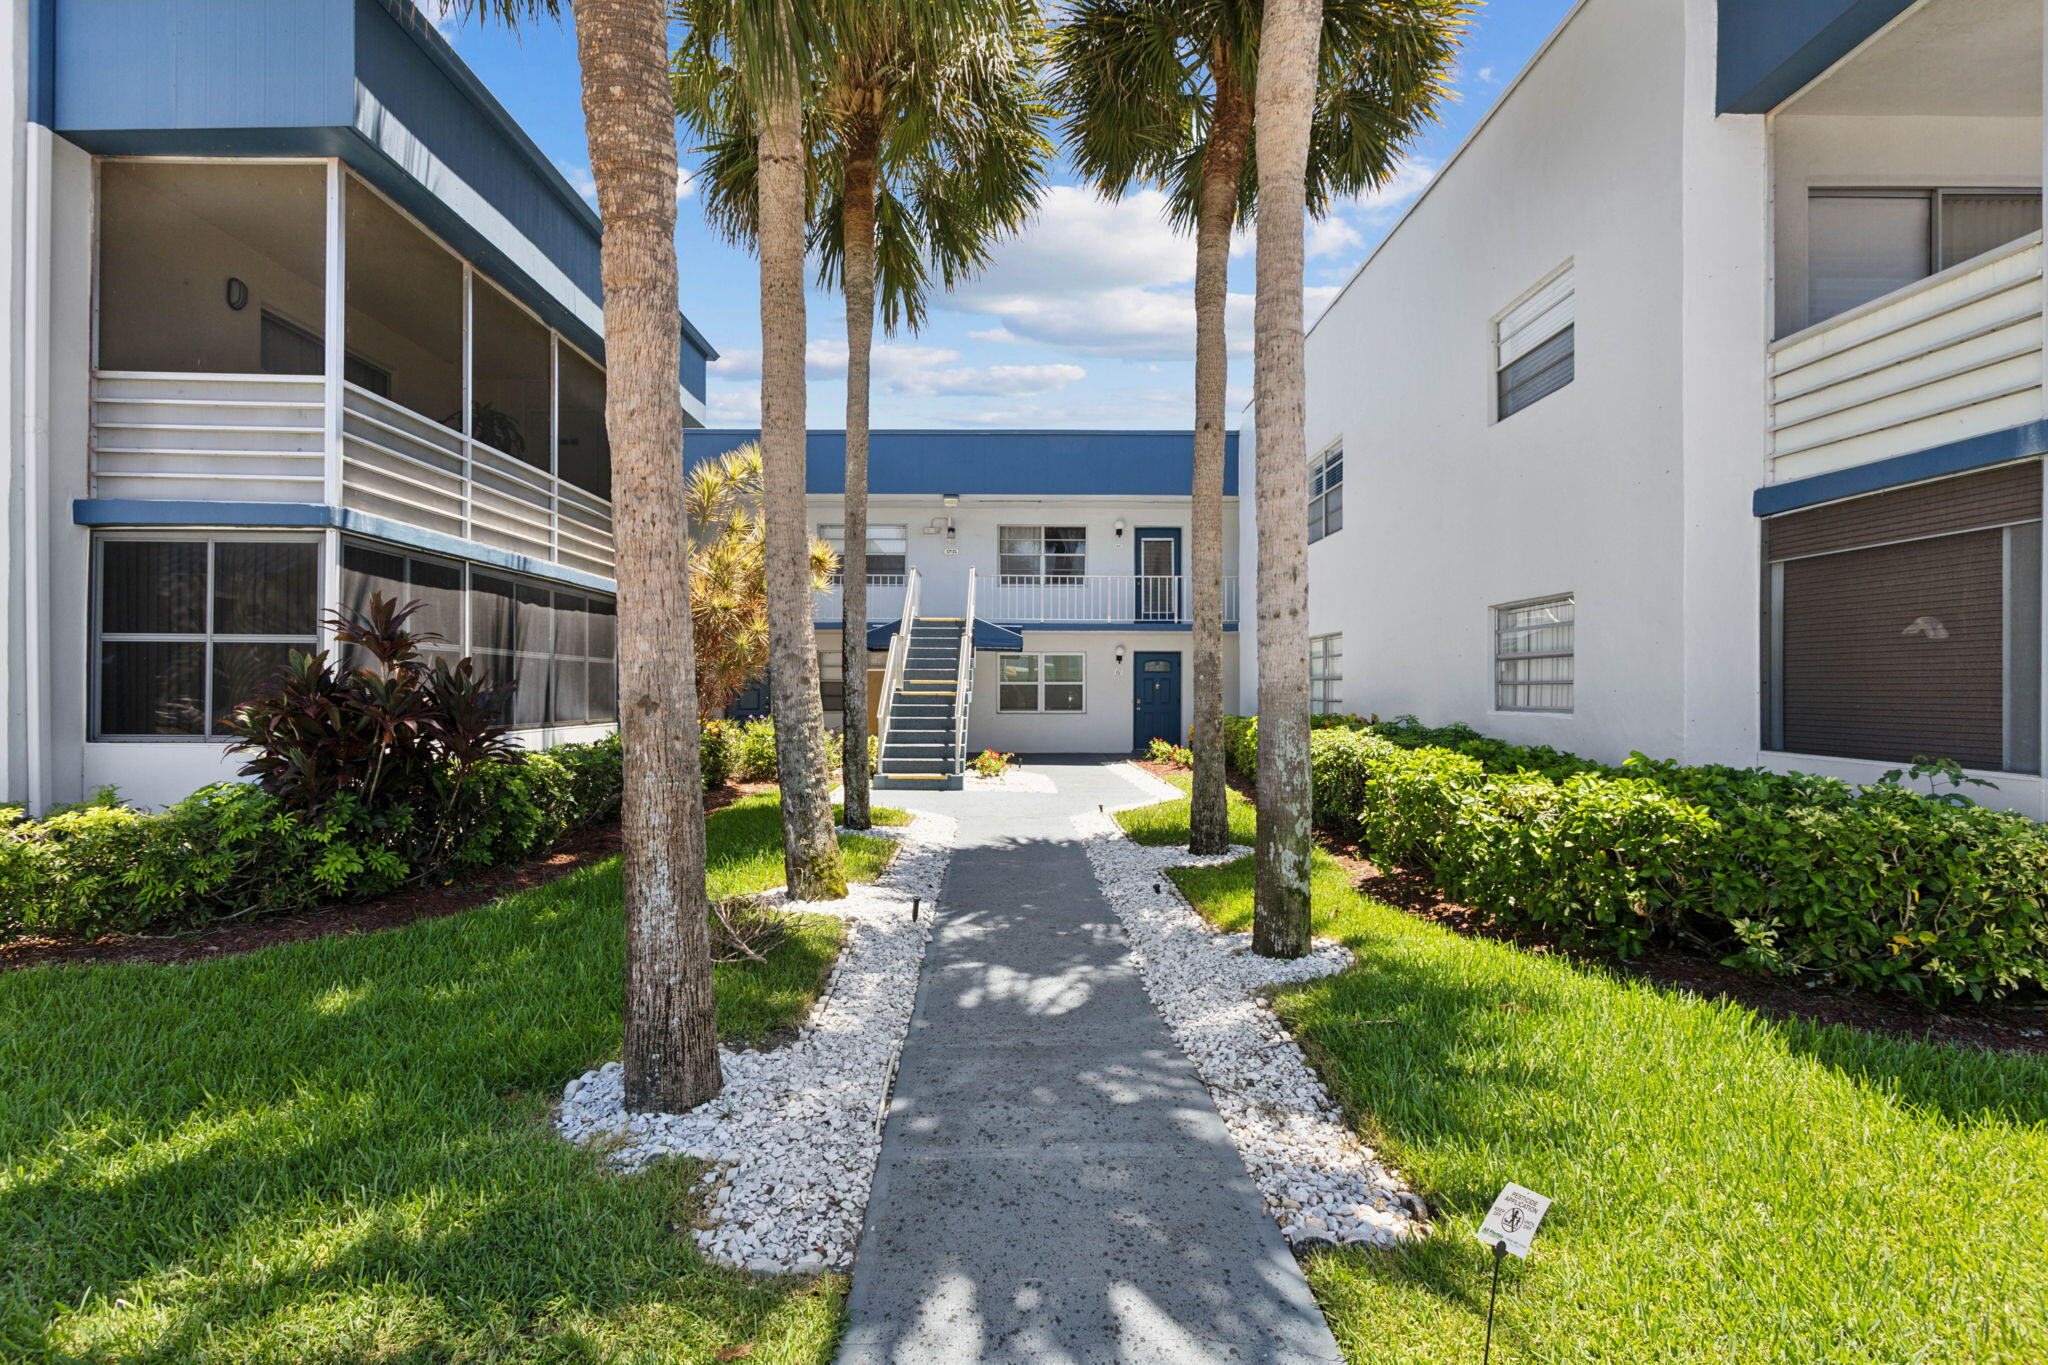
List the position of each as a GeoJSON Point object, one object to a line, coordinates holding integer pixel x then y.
{"type": "Point", "coordinates": [1084, 320]}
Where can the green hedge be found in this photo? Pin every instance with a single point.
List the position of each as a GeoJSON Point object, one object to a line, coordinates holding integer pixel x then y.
{"type": "Point", "coordinates": [1782, 873]}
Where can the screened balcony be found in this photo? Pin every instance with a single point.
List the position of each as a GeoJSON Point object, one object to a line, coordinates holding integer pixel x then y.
{"type": "Point", "coordinates": [445, 403]}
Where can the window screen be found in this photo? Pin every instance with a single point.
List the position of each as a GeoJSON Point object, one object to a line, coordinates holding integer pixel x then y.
{"type": "Point", "coordinates": [1040, 682]}
{"type": "Point", "coordinates": [1535, 345]}
{"type": "Point", "coordinates": [1326, 493]}
{"type": "Point", "coordinates": [1533, 645]}
{"type": "Point", "coordinates": [188, 629]}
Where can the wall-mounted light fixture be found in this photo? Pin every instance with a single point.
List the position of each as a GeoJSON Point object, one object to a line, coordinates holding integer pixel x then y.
{"type": "Point", "coordinates": [238, 294]}
{"type": "Point", "coordinates": [952, 499]}
{"type": "Point", "coordinates": [1119, 527]}
{"type": "Point", "coordinates": [1119, 655]}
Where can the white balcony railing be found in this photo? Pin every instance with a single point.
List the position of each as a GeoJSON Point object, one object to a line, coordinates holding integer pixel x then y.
{"type": "Point", "coordinates": [264, 438]}
{"type": "Point", "coordinates": [885, 599]}
{"type": "Point", "coordinates": [1015, 599]}
{"type": "Point", "coordinates": [1953, 356]}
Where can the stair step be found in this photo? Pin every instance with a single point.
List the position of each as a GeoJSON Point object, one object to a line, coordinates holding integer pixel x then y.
{"type": "Point", "coordinates": [900, 767]}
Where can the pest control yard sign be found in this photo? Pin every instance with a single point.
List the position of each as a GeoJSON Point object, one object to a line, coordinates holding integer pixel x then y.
{"type": "Point", "coordinates": [1513, 1219]}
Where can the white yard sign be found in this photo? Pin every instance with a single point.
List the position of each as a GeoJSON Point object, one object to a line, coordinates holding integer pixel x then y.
{"type": "Point", "coordinates": [1513, 1219]}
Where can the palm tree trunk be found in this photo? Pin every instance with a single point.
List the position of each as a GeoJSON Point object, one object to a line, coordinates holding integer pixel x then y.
{"type": "Point", "coordinates": [857, 225]}
{"type": "Point", "coordinates": [671, 1032]}
{"type": "Point", "coordinates": [810, 847]}
{"type": "Point", "coordinates": [1286, 102]}
{"type": "Point", "coordinates": [1215, 215]}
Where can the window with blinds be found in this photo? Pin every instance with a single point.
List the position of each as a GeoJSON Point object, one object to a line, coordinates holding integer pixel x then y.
{"type": "Point", "coordinates": [1908, 624]}
{"type": "Point", "coordinates": [1533, 345]}
{"type": "Point", "coordinates": [1533, 654]}
{"type": "Point", "coordinates": [888, 549]}
{"type": "Point", "coordinates": [1863, 244]}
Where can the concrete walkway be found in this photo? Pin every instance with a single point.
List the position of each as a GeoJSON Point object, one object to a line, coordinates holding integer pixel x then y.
{"type": "Point", "coordinates": [1055, 1184]}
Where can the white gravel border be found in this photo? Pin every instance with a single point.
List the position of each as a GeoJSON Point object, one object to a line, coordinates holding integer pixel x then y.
{"type": "Point", "coordinates": [1013, 779]}
{"type": "Point", "coordinates": [796, 1131]}
{"type": "Point", "coordinates": [1320, 1183]}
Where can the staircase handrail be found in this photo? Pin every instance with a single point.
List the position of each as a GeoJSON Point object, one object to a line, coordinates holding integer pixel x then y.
{"type": "Point", "coordinates": [899, 655]}
{"type": "Point", "coordinates": [963, 680]}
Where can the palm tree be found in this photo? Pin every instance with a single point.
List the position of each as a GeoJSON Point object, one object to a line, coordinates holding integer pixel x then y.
{"type": "Point", "coordinates": [762, 53]}
{"type": "Point", "coordinates": [670, 1028]}
{"type": "Point", "coordinates": [728, 574]}
{"type": "Point", "coordinates": [1160, 92]}
{"type": "Point", "coordinates": [926, 150]}
{"type": "Point", "coordinates": [1286, 101]}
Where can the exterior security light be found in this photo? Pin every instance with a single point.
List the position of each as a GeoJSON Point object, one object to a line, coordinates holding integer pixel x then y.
{"type": "Point", "coordinates": [952, 499]}
{"type": "Point", "coordinates": [1119, 527]}
{"type": "Point", "coordinates": [1119, 656]}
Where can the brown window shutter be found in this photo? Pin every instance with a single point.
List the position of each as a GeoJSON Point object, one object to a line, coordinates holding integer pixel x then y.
{"type": "Point", "coordinates": [1997, 497]}
{"type": "Point", "coordinates": [1897, 651]}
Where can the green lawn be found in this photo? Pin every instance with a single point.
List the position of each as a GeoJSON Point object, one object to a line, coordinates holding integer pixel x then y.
{"type": "Point", "coordinates": [338, 1150]}
{"type": "Point", "coordinates": [1729, 1188]}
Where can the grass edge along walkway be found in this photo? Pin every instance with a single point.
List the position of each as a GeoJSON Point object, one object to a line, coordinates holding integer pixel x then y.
{"type": "Point", "coordinates": [1728, 1187]}
{"type": "Point", "coordinates": [338, 1149]}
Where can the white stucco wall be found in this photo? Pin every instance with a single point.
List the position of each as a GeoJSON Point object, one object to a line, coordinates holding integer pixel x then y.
{"type": "Point", "coordinates": [1105, 725]}
{"type": "Point", "coordinates": [1448, 512]}
{"type": "Point", "coordinates": [977, 523]}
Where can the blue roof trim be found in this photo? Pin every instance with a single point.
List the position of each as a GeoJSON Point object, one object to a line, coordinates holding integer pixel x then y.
{"type": "Point", "coordinates": [1770, 50]}
{"type": "Point", "coordinates": [1127, 627]}
{"type": "Point", "coordinates": [42, 62]}
{"type": "Point", "coordinates": [1040, 463]}
{"type": "Point", "coordinates": [987, 634]}
{"type": "Point", "coordinates": [1957, 457]}
{"type": "Point", "coordinates": [316, 515]}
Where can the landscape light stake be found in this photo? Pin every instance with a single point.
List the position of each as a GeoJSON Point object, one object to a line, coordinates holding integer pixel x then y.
{"type": "Point", "coordinates": [914, 901]}
{"type": "Point", "coordinates": [1500, 1253]}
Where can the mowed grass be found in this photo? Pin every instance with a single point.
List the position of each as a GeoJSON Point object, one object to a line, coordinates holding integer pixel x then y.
{"type": "Point", "coordinates": [339, 1151]}
{"type": "Point", "coordinates": [1728, 1188]}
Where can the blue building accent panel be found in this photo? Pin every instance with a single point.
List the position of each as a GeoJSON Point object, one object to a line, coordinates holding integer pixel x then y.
{"type": "Point", "coordinates": [1958, 457]}
{"type": "Point", "coordinates": [1048, 463]}
{"type": "Point", "coordinates": [1770, 49]}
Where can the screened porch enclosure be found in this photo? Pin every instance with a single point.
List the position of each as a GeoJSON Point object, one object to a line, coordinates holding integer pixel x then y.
{"type": "Point", "coordinates": [280, 332]}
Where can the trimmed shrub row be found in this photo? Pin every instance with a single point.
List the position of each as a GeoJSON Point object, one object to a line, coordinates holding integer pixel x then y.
{"type": "Point", "coordinates": [1782, 873]}
{"type": "Point", "coordinates": [233, 849]}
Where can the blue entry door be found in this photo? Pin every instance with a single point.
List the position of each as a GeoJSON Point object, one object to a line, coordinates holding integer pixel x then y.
{"type": "Point", "coordinates": [1155, 683]}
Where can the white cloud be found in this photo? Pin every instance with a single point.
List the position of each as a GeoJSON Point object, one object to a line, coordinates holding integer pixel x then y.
{"type": "Point", "coordinates": [900, 368]}
{"type": "Point", "coordinates": [1328, 236]}
{"type": "Point", "coordinates": [733, 407]}
{"type": "Point", "coordinates": [999, 335]}
{"type": "Point", "coordinates": [1409, 179]}
{"type": "Point", "coordinates": [584, 183]}
{"type": "Point", "coordinates": [1486, 74]}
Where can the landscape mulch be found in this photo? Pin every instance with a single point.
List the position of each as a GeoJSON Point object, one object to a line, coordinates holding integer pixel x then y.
{"type": "Point", "coordinates": [2012, 1026]}
{"type": "Point", "coordinates": [580, 848]}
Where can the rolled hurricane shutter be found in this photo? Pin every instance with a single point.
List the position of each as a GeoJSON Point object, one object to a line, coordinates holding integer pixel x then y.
{"type": "Point", "coordinates": [1534, 344]}
{"type": "Point", "coordinates": [1908, 623]}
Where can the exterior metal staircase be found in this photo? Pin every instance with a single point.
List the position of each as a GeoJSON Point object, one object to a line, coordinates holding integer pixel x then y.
{"type": "Point", "coordinates": [926, 689]}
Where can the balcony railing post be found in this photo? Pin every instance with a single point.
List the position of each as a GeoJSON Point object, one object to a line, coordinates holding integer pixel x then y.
{"type": "Point", "coordinates": [335, 320]}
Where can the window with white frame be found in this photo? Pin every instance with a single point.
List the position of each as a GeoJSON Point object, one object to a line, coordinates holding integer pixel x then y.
{"type": "Point", "coordinates": [1532, 654]}
{"type": "Point", "coordinates": [1326, 674]}
{"type": "Point", "coordinates": [559, 645]}
{"type": "Point", "coordinates": [187, 627]}
{"type": "Point", "coordinates": [1534, 346]}
{"type": "Point", "coordinates": [1863, 244]}
{"type": "Point", "coordinates": [888, 550]}
{"type": "Point", "coordinates": [1042, 554]}
{"type": "Point", "coordinates": [1040, 682]}
{"type": "Point", "coordinates": [1326, 493]}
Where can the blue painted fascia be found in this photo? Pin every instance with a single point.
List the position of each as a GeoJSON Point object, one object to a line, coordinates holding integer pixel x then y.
{"type": "Point", "coordinates": [1957, 457]}
{"type": "Point", "coordinates": [1769, 50]}
{"type": "Point", "coordinates": [317, 516]}
{"type": "Point", "coordinates": [1026, 463]}
{"type": "Point", "coordinates": [1126, 627]}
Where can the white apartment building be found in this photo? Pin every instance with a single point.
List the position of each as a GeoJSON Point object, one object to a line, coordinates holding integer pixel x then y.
{"type": "Point", "coordinates": [1696, 407]}
{"type": "Point", "coordinates": [299, 314]}
{"type": "Point", "coordinates": [1041, 575]}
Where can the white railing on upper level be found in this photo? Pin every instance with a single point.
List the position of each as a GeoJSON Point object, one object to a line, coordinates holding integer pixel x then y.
{"type": "Point", "coordinates": [265, 438]}
{"type": "Point", "coordinates": [899, 655]}
{"type": "Point", "coordinates": [1138, 599]}
{"type": "Point", "coordinates": [963, 680]}
{"type": "Point", "coordinates": [208, 437]}
{"type": "Point", "coordinates": [885, 599]}
{"type": "Point", "coordinates": [1953, 356]}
